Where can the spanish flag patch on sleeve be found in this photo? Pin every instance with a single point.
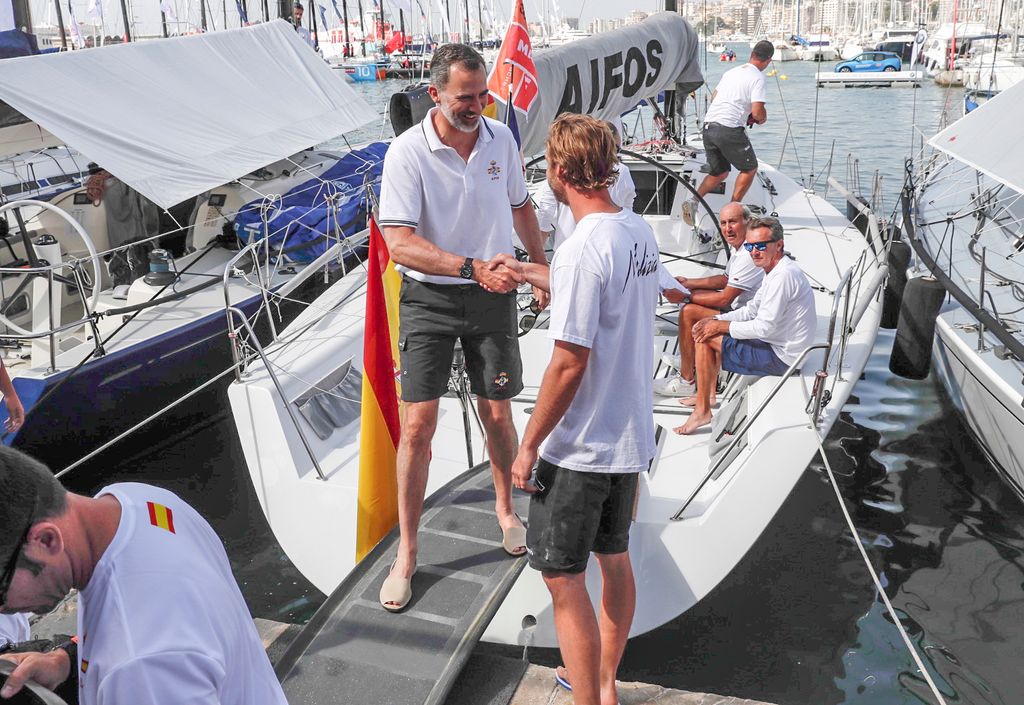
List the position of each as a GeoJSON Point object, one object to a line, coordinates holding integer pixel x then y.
{"type": "Point", "coordinates": [160, 516]}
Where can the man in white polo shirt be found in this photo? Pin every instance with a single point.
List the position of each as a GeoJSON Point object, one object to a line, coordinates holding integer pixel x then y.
{"type": "Point", "coordinates": [160, 617]}
{"type": "Point", "coordinates": [596, 436]}
{"type": "Point", "coordinates": [737, 103]}
{"type": "Point", "coordinates": [764, 337]}
{"type": "Point", "coordinates": [452, 192]}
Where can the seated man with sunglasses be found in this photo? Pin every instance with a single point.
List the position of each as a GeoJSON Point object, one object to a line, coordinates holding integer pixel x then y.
{"type": "Point", "coordinates": [160, 617]}
{"type": "Point", "coordinates": [762, 338]}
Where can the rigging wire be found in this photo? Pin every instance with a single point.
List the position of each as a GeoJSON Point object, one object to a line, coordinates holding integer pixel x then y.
{"type": "Point", "coordinates": [874, 575]}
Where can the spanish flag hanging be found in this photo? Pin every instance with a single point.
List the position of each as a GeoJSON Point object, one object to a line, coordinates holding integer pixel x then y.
{"type": "Point", "coordinates": [379, 426]}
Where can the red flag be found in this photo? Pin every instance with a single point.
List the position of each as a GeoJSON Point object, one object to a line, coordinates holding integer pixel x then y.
{"type": "Point", "coordinates": [514, 71]}
{"type": "Point", "coordinates": [396, 43]}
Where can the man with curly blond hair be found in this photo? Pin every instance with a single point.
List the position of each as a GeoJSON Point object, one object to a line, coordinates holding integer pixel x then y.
{"type": "Point", "coordinates": [597, 435]}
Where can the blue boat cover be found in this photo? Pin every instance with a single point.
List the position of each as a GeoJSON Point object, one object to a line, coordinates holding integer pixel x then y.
{"type": "Point", "coordinates": [304, 214]}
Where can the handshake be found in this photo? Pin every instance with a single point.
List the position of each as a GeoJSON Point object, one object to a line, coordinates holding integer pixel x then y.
{"type": "Point", "coordinates": [500, 274]}
{"type": "Point", "coordinates": [503, 273]}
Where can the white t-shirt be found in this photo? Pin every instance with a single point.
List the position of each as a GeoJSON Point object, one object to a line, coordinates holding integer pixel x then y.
{"type": "Point", "coordinates": [743, 274]}
{"type": "Point", "coordinates": [781, 313]}
{"type": "Point", "coordinates": [162, 620]}
{"type": "Point", "coordinates": [14, 628]}
{"type": "Point", "coordinates": [556, 218]}
{"type": "Point", "coordinates": [306, 36]}
{"type": "Point", "coordinates": [604, 289]}
{"type": "Point", "coordinates": [738, 89]}
{"type": "Point", "coordinates": [462, 207]}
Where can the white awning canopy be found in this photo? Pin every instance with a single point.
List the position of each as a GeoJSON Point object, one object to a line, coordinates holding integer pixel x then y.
{"type": "Point", "coordinates": [989, 138]}
{"type": "Point", "coordinates": [173, 118]}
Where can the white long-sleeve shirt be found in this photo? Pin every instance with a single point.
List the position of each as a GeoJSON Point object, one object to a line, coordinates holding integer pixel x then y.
{"type": "Point", "coordinates": [781, 314]}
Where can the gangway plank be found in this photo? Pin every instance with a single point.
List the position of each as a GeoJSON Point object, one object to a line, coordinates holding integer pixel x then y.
{"type": "Point", "coordinates": [353, 651]}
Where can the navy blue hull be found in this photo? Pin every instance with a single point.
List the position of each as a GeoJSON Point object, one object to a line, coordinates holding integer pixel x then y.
{"type": "Point", "coordinates": [70, 414]}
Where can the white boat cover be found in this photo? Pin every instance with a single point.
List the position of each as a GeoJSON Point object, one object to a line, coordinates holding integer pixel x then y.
{"type": "Point", "coordinates": [610, 73]}
{"type": "Point", "coordinates": [173, 118]}
{"type": "Point", "coordinates": [989, 138]}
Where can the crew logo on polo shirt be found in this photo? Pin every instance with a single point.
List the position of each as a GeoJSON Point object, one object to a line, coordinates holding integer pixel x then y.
{"type": "Point", "coordinates": [494, 170]}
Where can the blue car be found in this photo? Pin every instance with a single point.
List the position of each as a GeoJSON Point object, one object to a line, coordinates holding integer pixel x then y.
{"type": "Point", "coordinates": [871, 61]}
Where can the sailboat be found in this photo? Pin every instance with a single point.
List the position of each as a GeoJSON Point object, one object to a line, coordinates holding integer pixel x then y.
{"type": "Point", "coordinates": [963, 216]}
{"type": "Point", "coordinates": [705, 499]}
{"type": "Point", "coordinates": [96, 350]}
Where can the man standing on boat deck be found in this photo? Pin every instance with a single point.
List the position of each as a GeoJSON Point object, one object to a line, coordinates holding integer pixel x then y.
{"type": "Point", "coordinates": [593, 411]}
{"type": "Point", "coordinates": [764, 337]}
{"type": "Point", "coordinates": [451, 194]}
{"type": "Point", "coordinates": [160, 616]}
{"type": "Point", "coordinates": [737, 103]}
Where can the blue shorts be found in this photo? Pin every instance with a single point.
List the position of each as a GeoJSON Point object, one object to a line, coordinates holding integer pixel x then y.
{"type": "Point", "coordinates": [751, 357]}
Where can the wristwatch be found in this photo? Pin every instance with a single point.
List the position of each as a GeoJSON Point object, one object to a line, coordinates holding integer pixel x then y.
{"type": "Point", "coordinates": [466, 270]}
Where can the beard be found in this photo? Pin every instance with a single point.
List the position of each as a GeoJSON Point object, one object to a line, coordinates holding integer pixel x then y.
{"type": "Point", "coordinates": [559, 191]}
{"type": "Point", "coordinates": [457, 122]}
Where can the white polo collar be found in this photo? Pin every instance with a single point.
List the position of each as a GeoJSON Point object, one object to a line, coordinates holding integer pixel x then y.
{"type": "Point", "coordinates": [485, 133]}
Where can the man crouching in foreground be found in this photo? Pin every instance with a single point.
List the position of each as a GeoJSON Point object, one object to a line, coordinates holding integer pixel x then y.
{"type": "Point", "coordinates": [160, 618]}
{"type": "Point", "coordinates": [597, 435]}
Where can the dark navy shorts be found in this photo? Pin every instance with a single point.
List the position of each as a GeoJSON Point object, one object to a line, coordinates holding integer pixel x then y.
{"type": "Point", "coordinates": [751, 357]}
{"type": "Point", "coordinates": [725, 146]}
{"type": "Point", "coordinates": [577, 513]}
{"type": "Point", "coordinates": [433, 316]}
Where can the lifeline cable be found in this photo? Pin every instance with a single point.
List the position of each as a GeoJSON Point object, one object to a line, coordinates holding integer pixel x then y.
{"type": "Point", "coordinates": [874, 576]}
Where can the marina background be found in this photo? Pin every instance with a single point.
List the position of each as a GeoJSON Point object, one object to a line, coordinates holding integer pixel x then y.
{"type": "Point", "coordinates": [798, 620]}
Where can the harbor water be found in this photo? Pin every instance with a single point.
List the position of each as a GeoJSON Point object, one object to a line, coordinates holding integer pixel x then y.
{"type": "Point", "coordinates": [798, 621]}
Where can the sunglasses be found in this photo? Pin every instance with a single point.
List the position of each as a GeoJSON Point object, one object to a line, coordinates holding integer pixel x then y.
{"type": "Point", "coordinates": [759, 246]}
{"type": "Point", "coordinates": [12, 565]}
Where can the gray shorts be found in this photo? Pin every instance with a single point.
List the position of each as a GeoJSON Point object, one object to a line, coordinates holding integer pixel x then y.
{"type": "Point", "coordinates": [725, 146]}
{"type": "Point", "coordinates": [577, 513]}
{"type": "Point", "coordinates": [433, 316]}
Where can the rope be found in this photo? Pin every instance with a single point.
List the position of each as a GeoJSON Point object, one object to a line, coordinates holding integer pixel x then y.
{"type": "Point", "coordinates": [874, 576]}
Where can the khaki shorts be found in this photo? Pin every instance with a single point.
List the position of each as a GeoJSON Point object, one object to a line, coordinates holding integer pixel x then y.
{"type": "Point", "coordinates": [433, 316]}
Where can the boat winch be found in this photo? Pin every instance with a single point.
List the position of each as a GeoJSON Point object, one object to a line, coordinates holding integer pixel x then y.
{"type": "Point", "coordinates": [47, 249]}
{"type": "Point", "coordinates": [161, 265]}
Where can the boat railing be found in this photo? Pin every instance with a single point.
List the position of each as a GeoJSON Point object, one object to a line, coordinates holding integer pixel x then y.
{"type": "Point", "coordinates": [859, 298]}
{"type": "Point", "coordinates": [235, 313]}
{"type": "Point", "coordinates": [987, 322]}
{"type": "Point", "coordinates": [817, 398]}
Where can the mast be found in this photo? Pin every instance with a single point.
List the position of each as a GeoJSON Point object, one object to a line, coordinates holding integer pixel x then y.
{"type": "Point", "coordinates": [60, 25]}
{"type": "Point", "coordinates": [316, 40]}
{"type": "Point", "coordinates": [124, 16]}
{"type": "Point", "coordinates": [348, 44]}
{"type": "Point", "coordinates": [467, 37]}
{"type": "Point", "coordinates": [448, 15]}
{"type": "Point", "coordinates": [266, 10]}
{"type": "Point", "coordinates": [163, 21]}
{"type": "Point", "coordinates": [480, 12]}
{"type": "Point", "coordinates": [401, 25]}
{"type": "Point", "coordinates": [362, 28]}
{"type": "Point", "coordinates": [202, 14]}
{"type": "Point", "coordinates": [671, 115]}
